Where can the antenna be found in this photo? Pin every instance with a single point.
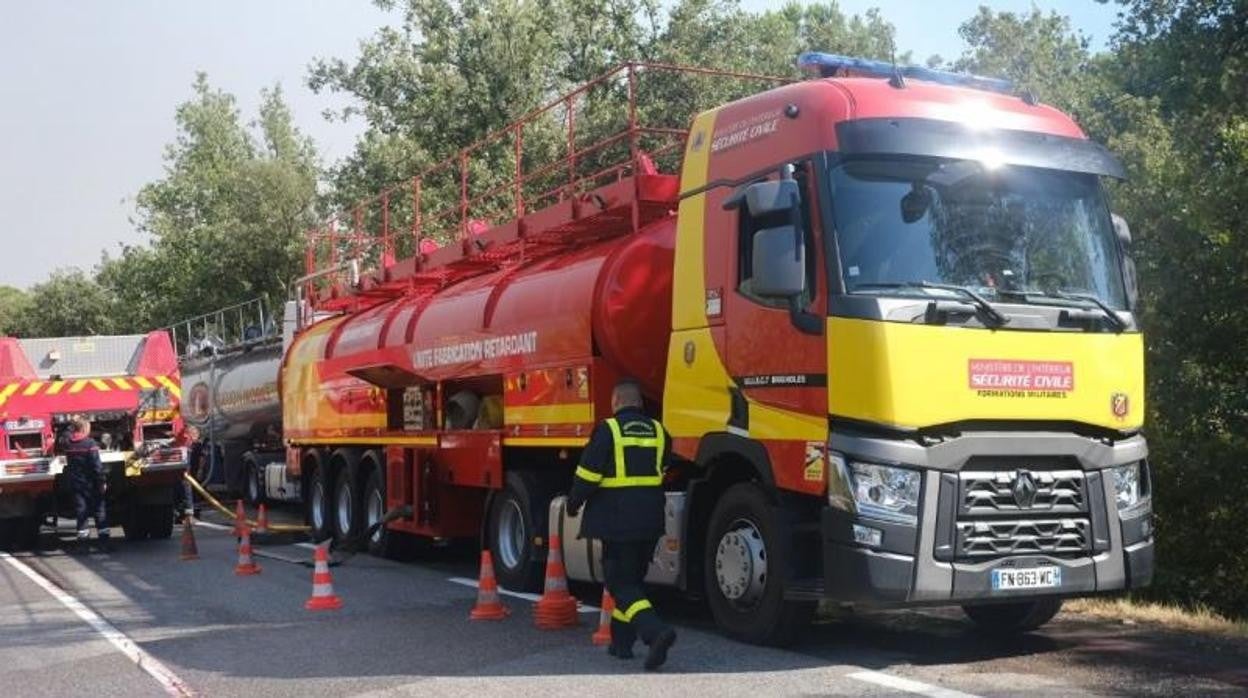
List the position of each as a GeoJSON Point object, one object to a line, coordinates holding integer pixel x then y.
{"type": "Point", "coordinates": [896, 80]}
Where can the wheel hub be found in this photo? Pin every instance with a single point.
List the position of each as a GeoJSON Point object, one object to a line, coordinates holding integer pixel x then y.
{"type": "Point", "coordinates": [318, 506]}
{"type": "Point", "coordinates": [344, 510]}
{"type": "Point", "coordinates": [511, 534]}
{"type": "Point", "coordinates": [375, 507]}
{"type": "Point", "coordinates": [741, 564]}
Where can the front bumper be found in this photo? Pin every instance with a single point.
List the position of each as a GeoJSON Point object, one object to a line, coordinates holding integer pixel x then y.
{"type": "Point", "coordinates": [923, 563]}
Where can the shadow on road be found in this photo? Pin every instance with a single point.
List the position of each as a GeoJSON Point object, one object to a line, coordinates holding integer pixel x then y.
{"type": "Point", "coordinates": [406, 619]}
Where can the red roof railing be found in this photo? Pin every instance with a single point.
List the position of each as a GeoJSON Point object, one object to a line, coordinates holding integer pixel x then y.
{"type": "Point", "coordinates": [553, 153]}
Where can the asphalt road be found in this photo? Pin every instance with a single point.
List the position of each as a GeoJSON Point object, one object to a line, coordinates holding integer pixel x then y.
{"type": "Point", "coordinates": [161, 626]}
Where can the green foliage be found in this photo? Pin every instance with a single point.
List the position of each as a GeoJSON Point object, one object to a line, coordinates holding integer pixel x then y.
{"type": "Point", "coordinates": [453, 72]}
{"type": "Point", "coordinates": [226, 222]}
{"type": "Point", "coordinates": [13, 302]}
{"type": "Point", "coordinates": [69, 303]}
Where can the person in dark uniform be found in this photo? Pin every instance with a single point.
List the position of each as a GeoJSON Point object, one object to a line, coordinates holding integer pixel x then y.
{"type": "Point", "coordinates": [87, 479]}
{"type": "Point", "coordinates": [183, 496]}
{"type": "Point", "coordinates": [620, 484]}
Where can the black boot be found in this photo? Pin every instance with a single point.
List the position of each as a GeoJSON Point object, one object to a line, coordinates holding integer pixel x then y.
{"type": "Point", "coordinates": [622, 638]}
{"type": "Point", "coordinates": [659, 647]}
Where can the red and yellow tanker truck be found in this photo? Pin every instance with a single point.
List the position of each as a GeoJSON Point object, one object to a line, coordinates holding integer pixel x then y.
{"type": "Point", "coordinates": [885, 313]}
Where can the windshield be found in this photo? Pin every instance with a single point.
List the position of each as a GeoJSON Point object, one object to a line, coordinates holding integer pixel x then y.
{"type": "Point", "coordinates": [993, 230]}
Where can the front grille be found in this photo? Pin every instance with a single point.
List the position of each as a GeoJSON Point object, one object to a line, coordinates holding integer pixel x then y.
{"type": "Point", "coordinates": [1019, 511]}
{"type": "Point", "coordinates": [987, 539]}
{"type": "Point", "coordinates": [166, 455]}
{"type": "Point", "coordinates": [994, 492]}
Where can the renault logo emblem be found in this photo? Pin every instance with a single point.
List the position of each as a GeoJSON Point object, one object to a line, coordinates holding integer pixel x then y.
{"type": "Point", "coordinates": [1024, 489]}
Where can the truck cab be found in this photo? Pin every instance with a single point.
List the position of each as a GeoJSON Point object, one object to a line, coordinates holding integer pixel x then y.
{"type": "Point", "coordinates": [913, 286]}
{"type": "Point", "coordinates": [126, 386]}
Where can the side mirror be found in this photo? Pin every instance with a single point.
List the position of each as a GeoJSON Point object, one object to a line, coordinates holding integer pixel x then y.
{"type": "Point", "coordinates": [1122, 231]}
{"type": "Point", "coordinates": [774, 196]}
{"type": "Point", "coordinates": [779, 262]}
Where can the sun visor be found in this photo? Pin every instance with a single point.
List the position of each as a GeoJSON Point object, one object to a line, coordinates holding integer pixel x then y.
{"type": "Point", "coordinates": [948, 139]}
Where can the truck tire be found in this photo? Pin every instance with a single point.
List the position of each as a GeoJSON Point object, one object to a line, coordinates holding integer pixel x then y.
{"type": "Point", "coordinates": [134, 523]}
{"type": "Point", "coordinates": [20, 533]}
{"type": "Point", "coordinates": [348, 510]}
{"type": "Point", "coordinates": [319, 504]}
{"type": "Point", "coordinates": [746, 568]}
{"type": "Point", "coordinates": [1013, 618]}
{"type": "Point", "coordinates": [518, 517]}
{"type": "Point", "coordinates": [159, 520]}
{"type": "Point", "coordinates": [383, 542]}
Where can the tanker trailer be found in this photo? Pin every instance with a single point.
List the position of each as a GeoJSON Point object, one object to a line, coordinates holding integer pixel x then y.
{"type": "Point", "coordinates": [230, 360]}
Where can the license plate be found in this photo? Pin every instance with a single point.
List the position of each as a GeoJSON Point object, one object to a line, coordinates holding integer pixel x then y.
{"type": "Point", "coordinates": [1026, 578]}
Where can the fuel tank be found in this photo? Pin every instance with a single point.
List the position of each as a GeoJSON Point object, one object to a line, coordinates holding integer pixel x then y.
{"type": "Point", "coordinates": [610, 299]}
{"type": "Point", "coordinates": [235, 396]}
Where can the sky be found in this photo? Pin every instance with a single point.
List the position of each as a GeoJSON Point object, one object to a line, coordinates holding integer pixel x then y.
{"type": "Point", "coordinates": [88, 90]}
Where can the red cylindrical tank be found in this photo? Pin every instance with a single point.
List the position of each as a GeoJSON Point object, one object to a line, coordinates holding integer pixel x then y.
{"type": "Point", "coordinates": [612, 298]}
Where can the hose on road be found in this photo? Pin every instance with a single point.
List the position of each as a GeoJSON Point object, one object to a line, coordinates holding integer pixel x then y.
{"type": "Point", "coordinates": [350, 546]}
{"type": "Point", "coordinates": [276, 527]}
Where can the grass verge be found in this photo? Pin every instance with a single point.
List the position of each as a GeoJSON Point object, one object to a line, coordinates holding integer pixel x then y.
{"type": "Point", "coordinates": [1170, 617]}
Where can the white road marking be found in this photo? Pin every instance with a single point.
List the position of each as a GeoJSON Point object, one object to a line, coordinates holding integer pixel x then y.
{"type": "Point", "coordinates": [167, 679]}
{"type": "Point", "coordinates": [907, 685]}
{"type": "Point", "coordinates": [214, 526]}
{"type": "Point", "coordinates": [518, 594]}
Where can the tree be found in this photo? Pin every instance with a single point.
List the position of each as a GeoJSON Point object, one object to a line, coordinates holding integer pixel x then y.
{"type": "Point", "coordinates": [69, 303]}
{"type": "Point", "coordinates": [453, 72]}
{"type": "Point", "coordinates": [226, 221]}
{"type": "Point", "coordinates": [13, 302]}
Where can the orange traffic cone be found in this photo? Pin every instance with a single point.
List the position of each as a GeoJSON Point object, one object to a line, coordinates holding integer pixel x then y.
{"type": "Point", "coordinates": [240, 519]}
{"type": "Point", "coordinates": [189, 550]}
{"type": "Point", "coordinates": [488, 605]}
{"type": "Point", "coordinates": [557, 608]}
{"type": "Point", "coordinates": [602, 636]}
{"type": "Point", "coordinates": [262, 520]}
{"type": "Point", "coordinates": [323, 597]}
{"type": "Point", "coordinates": [245, 564]}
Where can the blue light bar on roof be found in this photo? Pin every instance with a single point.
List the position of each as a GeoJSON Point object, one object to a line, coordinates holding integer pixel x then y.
{"type": "Point", "coordinates": [830, 65]}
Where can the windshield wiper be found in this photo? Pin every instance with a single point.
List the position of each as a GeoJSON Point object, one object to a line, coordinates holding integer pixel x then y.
{"type": "Point", "coordinates": [1119, 325]}
{"type": "Point", "coordinates": [989, 315]}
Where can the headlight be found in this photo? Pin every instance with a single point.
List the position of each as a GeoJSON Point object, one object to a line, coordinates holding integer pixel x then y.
{"type": "Point", "coordinates": [885, 492]}
{"type": "Point", "coordinates": [1127, 485]}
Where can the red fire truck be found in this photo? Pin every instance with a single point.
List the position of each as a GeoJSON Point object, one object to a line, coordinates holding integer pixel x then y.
{"type": "Point", "coordinates": [128, 387]}
{"type": "Point", "coordinates": [885, 314]}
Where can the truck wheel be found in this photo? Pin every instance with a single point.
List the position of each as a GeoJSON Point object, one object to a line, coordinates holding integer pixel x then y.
{"type": "Point", "coordinates": [319, 505]}
{"type": "Point", "coordinates": [347, 510]}
{"type": "Point", "coordinates": [383, 542]}
{"type": "Point", "coordinates": [134, 524]}
{"type": "Point", "coordinates": [1013, 618]}
{"type": "Point", "coordinates": [254, 486]}
{"type": "Point", "coordinates": [159, 520]}
{"type": "Point", "coordinates": [518, 515]}
{"type": "Point", "coordinates": [746, 565]}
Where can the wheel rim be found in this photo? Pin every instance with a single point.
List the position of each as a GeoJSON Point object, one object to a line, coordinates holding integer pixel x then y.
{"type": "Point", "coordinates": [376, 510]}
{"type": "Point", "coordinates": [344, 509]}
{"type": "Point", "coordinates": [741, 564]}
{"type": "Point", "coordinates": [511, 534]}
{"type": "Point", "coordinates": [318, 506]}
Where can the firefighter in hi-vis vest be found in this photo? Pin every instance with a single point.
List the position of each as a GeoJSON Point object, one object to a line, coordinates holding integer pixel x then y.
{"type": "Point", "coordinates": [620, 483]}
